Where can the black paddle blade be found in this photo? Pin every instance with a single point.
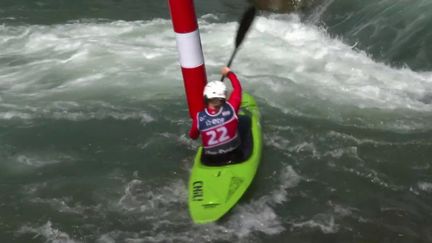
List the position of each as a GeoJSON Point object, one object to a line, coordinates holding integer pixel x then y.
{"type": "Point", "coordinates": [245, 23]}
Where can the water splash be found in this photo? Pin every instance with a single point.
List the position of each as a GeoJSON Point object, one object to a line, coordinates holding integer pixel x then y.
{"type": "Point", "coordinates": [48, 232]}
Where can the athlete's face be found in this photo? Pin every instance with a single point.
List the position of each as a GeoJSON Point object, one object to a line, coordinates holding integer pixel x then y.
{"type": "Point", "coordinates": [216, 102]}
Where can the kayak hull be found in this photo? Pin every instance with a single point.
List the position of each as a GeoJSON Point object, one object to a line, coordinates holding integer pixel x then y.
{"type": "Point", "coordinates": [214, 190]}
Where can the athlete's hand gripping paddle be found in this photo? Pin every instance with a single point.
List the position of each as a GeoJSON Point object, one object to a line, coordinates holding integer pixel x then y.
{"type": "Point", "coordinates": [245, 23]}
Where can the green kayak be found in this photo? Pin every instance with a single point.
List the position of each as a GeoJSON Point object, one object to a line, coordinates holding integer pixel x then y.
{"type": "Point", "coordinates": [215, 189]}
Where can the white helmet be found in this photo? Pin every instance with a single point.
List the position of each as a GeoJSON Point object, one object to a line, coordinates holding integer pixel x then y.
{"type": "Point", "coordinates": [215, 89]}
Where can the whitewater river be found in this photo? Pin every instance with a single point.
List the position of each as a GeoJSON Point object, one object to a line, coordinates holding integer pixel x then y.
{"type": "Point", "coordinates": [93, 123]}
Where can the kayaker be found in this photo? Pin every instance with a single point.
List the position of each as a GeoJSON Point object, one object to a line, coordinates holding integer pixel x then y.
{"type": "Point", "coordinates": [218, 122]}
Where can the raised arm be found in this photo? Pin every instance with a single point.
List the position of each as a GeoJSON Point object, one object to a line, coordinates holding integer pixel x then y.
{"type": "Point", "coordinates": [236, 95]}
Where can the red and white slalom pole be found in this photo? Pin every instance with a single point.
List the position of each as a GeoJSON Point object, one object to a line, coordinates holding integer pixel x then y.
{"type": "Point", "coordinates": [191, 56]}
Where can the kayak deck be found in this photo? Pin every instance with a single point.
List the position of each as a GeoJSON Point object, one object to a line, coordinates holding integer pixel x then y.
{"type": "Point", "coordinates": [214, 190]}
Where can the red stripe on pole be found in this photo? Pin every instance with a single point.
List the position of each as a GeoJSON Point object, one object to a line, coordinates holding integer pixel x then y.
{"type": "Point", "coordinates": [194, 81]}
{"type": "Point", "coordinates": [183, 15]}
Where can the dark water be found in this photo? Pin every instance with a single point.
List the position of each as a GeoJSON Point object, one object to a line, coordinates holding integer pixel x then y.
{"type": "Point", "coordinates": [93, 123]}
{"type": "Point", "coordinates": [392, 31]}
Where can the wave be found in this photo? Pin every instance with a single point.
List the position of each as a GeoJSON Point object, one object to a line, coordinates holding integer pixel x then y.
{"type": "Point", "coordinates": [395, 32]}
{"type": "Point", "coordinates": [294, 66]}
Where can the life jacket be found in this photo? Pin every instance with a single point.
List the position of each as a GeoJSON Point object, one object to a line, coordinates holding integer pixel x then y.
{"type": "Point", "coordinates": [219, 132]}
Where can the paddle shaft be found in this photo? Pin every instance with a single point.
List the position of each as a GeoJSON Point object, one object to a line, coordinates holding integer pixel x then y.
{"type": "Point", "coordinates": [245, 23]}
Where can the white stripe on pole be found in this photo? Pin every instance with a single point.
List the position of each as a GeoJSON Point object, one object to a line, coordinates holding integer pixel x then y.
{"type": "Point", "coordinates": [189, 46]}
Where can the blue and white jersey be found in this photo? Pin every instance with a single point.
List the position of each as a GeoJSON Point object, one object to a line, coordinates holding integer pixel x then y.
{"type": "Point", "coordinates": [219, 131]}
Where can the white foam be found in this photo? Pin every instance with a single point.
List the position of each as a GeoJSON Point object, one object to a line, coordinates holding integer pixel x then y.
{"type": "Point", "coordinates": [342, 210]}
{"type": "Point", "coordinates": [294, 66]}
{"type": "Point", "coordinates": [48, 232]}
{"type": "Point", "coordinates": [306, 72]}
{"type": "Point", "coordinates": [27, 161]}
{"type": "Point", "coordinates": [75, 111]}
{"type": "Point", "coordinates": [105, 238]}
{"type": "Point", "coordinates": [277, 141]}
{"type": "Point", "coordinates": [140, 197]}
{"type": "Point", "coordinates": [349, 139]}
{"type": "Point", "coordinates": [288, 179]}
{"type": "Point", "coordinates": [61, 205]}
{"type": "Point", "coordinates": [9, 115]}
{"type": "Point", "coordinates": [33, 189]}
{"type": "Point", "coordinates": [425, 186]}
{"type": "Point", "coordinates": [374, 177]}
{"type": "Point", "coordinates": [337, 153]}
{"type": "Point", "coordinates": [330, 69]}
{"type": "Point", "coordinates": [161, 205]}
{"type": "Point", "coordinates": [35, 160]}
{"type": "Point", "coordinates": [106, 55]}
{"type": "Point", "coordinates": [323, 222]}
{"type": "Point", "coordinates": [189, 143]}
{"type": "Point", "coordinates": [259, 215]}
{"type": "Point", "coordinates": [82, 81]}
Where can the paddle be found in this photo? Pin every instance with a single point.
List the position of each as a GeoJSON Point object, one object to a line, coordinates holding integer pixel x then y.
{"type": "Point", "coordinates": [245, 23]}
